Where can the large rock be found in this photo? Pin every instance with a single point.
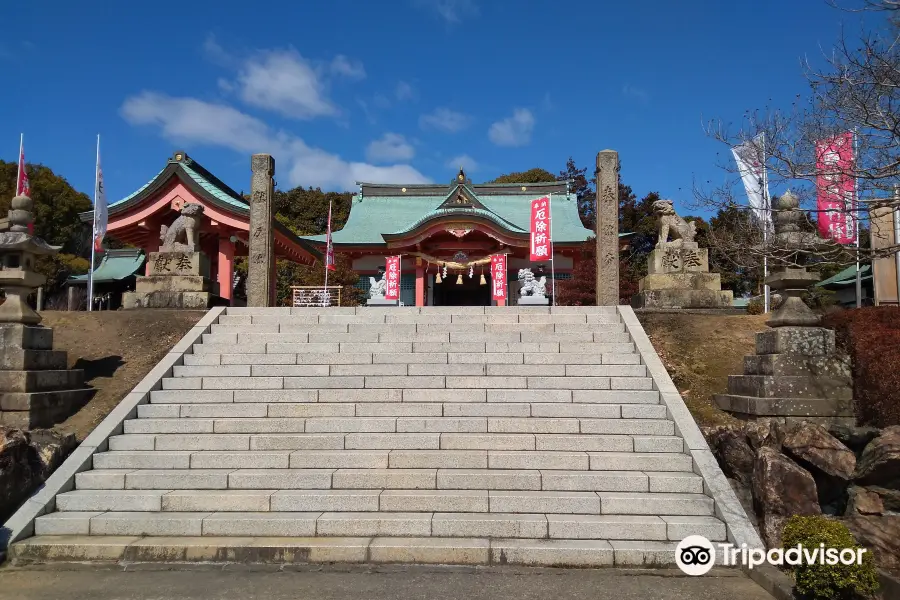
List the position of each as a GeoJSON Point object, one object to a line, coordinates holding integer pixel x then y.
{"type": "Point", "coordinates": [880, 535]}
{"type": "Point", "coordinates": [889, 498]}
{"type": "Point", "coordinates": [734, 454]}
{"type": "Point", "coordinates": [863, 502]}
{"type": "Point", "coordinates": [26, 460]}
{"type": "Point", "coordinates": [880, 461]}
{"type": "Point", "coordinates": [812, 444]}
{"type": "Point", "coordinates": [764, 433]}
{"type": "Point", "coordinates": [855, 438]}
{"type": "Point", "coordinates": [781, 488]}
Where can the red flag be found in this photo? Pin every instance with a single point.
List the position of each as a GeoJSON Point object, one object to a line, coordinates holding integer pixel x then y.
{"type": "Point", "coordinates": [329, 248]}
{"type": "Point", "coordinates": [498, 277]}
{"type": "Point", "coordinates": [540, 229]}
{"type": "Point", "coordinates": [23, 188]}
{"type": "Point", "coordinates": [836, 188]}
{"type": "Point", "coordinates": [392, 276]}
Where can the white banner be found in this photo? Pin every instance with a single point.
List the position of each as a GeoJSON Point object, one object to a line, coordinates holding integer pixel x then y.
{"type": "Point", "coordinates": [751, 163]}
{"type": "Point", "coordinates": [100, 213]}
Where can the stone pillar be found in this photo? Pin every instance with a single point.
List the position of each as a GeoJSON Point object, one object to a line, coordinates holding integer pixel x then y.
{"type": "Point", "coordinates": [226, 267]}
{"type": "Point", "coordinates": [607, 214]}
{"type": "Point", "coordinates": [420, 283]}
{"type": "Point", "coordinates": [262, 244]}
{"type": "Point", "coordinates": [70, 298]}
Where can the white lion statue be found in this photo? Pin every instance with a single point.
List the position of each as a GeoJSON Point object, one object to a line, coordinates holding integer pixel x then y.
{"type": "Point", "coordinates": [529, 286]}
{"type": "Point", "coordinates": [671, 224]}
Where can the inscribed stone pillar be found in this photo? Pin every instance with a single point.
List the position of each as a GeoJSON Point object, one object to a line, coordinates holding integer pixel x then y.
{"type": "Point", "coordinates": [607, 213]}
{"type": "Point", "coordinates": [262, 256]}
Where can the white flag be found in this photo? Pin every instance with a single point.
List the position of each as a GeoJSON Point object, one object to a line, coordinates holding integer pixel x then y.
{"type": "Point", "coordinates": [100, 214]}
{"type": "Point", "coordinates": [751, 162]}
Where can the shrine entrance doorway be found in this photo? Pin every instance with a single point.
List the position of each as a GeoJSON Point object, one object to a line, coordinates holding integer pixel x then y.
{"type": "Point", "coordinates": [469, 293]}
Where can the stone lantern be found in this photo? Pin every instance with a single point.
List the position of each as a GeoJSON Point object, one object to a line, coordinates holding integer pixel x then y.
{"type": "Point", "coordinates": [18, 250]}
{"type": "Point", "coordinates": [796, 374]}
{"type": "Point", "coordinates": [36, 387]}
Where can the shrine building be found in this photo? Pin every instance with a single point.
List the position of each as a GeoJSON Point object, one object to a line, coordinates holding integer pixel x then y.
{"type": "Point", "coordinates": [138, 218]}
{"type": "Point", "coordinates": [445, 233]}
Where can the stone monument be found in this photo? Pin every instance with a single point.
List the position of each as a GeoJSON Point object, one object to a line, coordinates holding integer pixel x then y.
{"type": "Point", "coordinates": [532, 291]}
{"type": "Point", "coordinates": [178, 274]}
{"type": "Point", "coordinates": [260, 283]}
{"type": "Point", "coordinates": [36, 388]}
{"type": "Point", "coordinates": [377, 288]}
{"type": "Point", "coordinates": [607, 212]}
{"type": "Point", "coordinates": [678, 268]}
{"type": "Point", "coordinates": [796, 373]}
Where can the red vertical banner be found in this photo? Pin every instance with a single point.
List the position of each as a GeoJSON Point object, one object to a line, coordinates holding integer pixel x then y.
{"type": "Point", "coordinates": [498, 277]}
{"type": "Point", "coordinates": [540, 229]}
{"type": "Point", "coordinates": [392, 277]}
{"type": "Point", "coordinates": [836, 188]}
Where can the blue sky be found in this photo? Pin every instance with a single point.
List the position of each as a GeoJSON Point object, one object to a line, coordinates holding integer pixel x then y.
{"type": "Point", "coordinates": [398, 91]}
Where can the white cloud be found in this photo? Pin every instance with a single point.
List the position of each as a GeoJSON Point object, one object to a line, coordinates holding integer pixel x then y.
{"type": "Point", "coordinates": [193, 121]}
{"type": "Point", "coordinates": [451, 11]}
{"type": "Point", "coordinates": [343, 66]}
{"type": "Point", "coordinates": [405, 91]}
{"type": "Point", "coordinates": [444, 119]}
{"type": "Point", "coordinates": [463, 160]}
{"type": "Point", "coordinates": [284, 82]}
{"type": "Point", "coordinates": [381, 101]}
{"type": "Point", "coordinates": [391, 147]}
{"type": "Point", "coordinates": [636, 93]}
{"type": "Point", "coordinates": [513, 131]}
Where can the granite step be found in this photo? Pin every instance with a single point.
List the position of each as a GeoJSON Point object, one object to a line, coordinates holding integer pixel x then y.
{"type": "Point", "coordinates": [392, 459]}
{"type": "Point", "coordinates": [378, 500]}
{"type": "Point", "coordinates": [434, 479]}
{"type": "Point", "coordinates": [397, 441]}
{"type": "Point", "coordinates": [400, 409]}
{"type": "Point", "coordinates": [255, 354]}
{"type": "Point", "coordinates": [616, 426]}
{"type": "Point", "coordinates": [279, 550]}
{"type": "Point", "coordinates": [239, 334]}
{"type": "Point", "coordinates": [370, 524]}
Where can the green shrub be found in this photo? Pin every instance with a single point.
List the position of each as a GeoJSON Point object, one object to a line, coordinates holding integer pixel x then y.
{"type": "Point", "coordinates": [824, 581]}
{"type": "Point", "coordinates": [871, 336]}
{"type": "Point", "coordinates": [756, 306]}
{"type": "Point", "coordinates": [819, 299]}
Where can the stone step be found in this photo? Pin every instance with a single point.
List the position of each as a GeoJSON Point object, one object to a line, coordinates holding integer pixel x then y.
{"type": "Point", "coordinates": [393, 459]}
{"type": "Point", "coordinates": [399, 409]}
{"type": "Point", "coordinates": [398, 441]}
{"type": "Point", "coordinates": [323, 479]}
{"type": "Point", "coordinates": [617, 426]}
{"type": "Point", "coordinates": [427, 310]}
{"type": "Point", "coordinates": [325, 524]}
{"type": "Point", "coordinates": [280, 550]}
{"type": "Point", "coordinates": [214, 355]}
{"type": "Point", "coordinates": [240, 334]}
{"type": "Point", "coordinates": [315, 376]}
{"type": "Point", "coordinates": [377, 500]}
{"type": "Point", "coordinates": [411, 395]}
{"type": "Point", "coordinates": [520, 319]}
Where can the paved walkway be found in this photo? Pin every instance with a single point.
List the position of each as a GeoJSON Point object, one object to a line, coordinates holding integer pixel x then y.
{"type": "Point", "coordinates": [206, 582]}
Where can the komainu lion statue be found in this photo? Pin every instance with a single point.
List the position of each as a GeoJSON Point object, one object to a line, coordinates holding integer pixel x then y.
{"type": "Point", "coordinates": [671, 224]}
{"type": "Point", "coordinates": [184, 234]}
{"type": "Point", "coordinates": [529, 286]}
{"type": "Point", "coordinates": [377, 288]}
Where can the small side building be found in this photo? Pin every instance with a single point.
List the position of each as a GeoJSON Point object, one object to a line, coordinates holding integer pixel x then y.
{"type": "Point", "coordinates": [115, 275]}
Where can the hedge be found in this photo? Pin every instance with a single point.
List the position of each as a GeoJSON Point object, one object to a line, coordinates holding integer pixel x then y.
{"type": "Point", "coordinates": [871, 336]}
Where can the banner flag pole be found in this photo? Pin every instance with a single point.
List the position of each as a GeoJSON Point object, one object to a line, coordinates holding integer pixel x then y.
{"type": "Point", "coordinates": [90, 298]}
{"type": "Point", "coordinates": [856, 214]}
{"type": "Point", "coordinates": [552, 258]}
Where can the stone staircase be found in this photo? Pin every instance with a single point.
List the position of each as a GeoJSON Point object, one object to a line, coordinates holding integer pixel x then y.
{"type": "Point", "coordinates": [444, 435]}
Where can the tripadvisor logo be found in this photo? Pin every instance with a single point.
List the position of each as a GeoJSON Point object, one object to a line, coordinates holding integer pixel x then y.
{"type": "Point", "coordinates": [696, 555]}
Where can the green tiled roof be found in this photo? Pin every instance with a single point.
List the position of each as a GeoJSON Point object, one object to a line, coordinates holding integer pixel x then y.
{"type": "Point", "coordinates": [847, 277]}
{"type": "Point", "coordinates": [116, 265]}
{"type": "Point", "coordinates": [374, 215]}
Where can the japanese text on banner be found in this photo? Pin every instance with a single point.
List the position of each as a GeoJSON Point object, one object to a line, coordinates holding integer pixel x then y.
{"type": "Point", "coordinates": [392, 277]}
{"type": "Point", "coordinates": [836, 188]}
{"type": "Point", "coordinates": [498, 277]}
{"type": "Point", "coordinates": [540, 229]}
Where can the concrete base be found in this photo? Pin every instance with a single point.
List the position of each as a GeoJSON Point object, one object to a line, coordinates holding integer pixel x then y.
{"type": "Point", "coordinates": [533, 301]}
{"type": "Point", "coordinates": [160, 299]}
{"type": "Point", "coordinates": [28, 410]}
{"type": "Point", "coordinates": [382, 302]}
{"type": "Point", "coordinates": [682, 298]}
